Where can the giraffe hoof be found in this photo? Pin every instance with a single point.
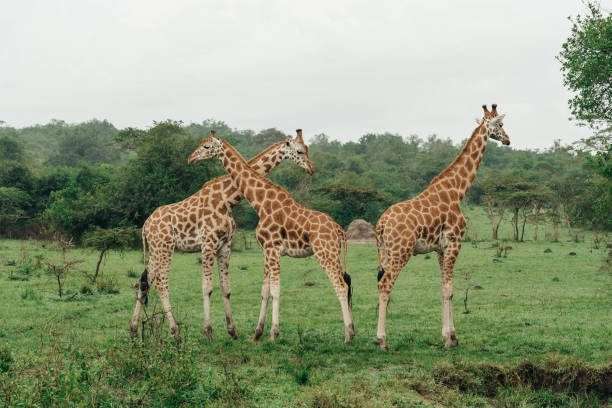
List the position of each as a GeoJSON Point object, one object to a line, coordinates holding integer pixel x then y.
{"type": "Point", "coordinates": [274, 334]}
{"type": "Point", "coordinates": [451, 341]}
{"type": "Point", "coordinates": [208, 332]}
{"type": "Point", "coordinates": [232, 332]}
{"type": "Point", "coordinates": [382, 343]}
{"type": "Point", "coordinates": [349, 333]}
{"type": "Point", "coordinates": [133, 331]}
{"type": "Point", "coordinates": [258, 334]}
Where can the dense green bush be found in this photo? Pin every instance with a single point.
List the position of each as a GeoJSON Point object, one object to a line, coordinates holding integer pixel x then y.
{"type": "Point", "coordinates": [352, 180]}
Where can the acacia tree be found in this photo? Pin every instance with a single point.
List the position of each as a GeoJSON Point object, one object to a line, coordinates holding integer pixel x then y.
{"type": "Point", "coordinates": [494, 189]}
{"type": "Point", "coordinates": [105, 240]}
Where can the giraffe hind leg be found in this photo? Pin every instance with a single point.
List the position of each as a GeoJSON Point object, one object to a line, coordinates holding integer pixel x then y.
{"type": "Point", "coordinates": [142, 299]}
{"type": "Point", "coordinates": [387, 275]}
{"type": "Point", "coordinates": [447, 261]}
{"type": "Point", "coordinates": [208, 259]}
{"type": "Point", "coordinates": [329, 259]}
{"type": "Point", "coordinates": [223, 263]}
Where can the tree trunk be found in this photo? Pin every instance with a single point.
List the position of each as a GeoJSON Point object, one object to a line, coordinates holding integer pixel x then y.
{"type": "Point", "coordinates": [59, 286]}
{"type": "Point", "coordinates": [515, 222]}
{"type": "Point", "coordinates": [100, 258]}
{"type": "Point", "coordinates": [523, 227]}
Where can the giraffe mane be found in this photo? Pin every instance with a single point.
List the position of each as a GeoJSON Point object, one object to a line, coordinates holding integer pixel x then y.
{"type": "Point", "coordinates": [251, 161]}
{"type": "Point", "coordinates": [258, 176]}
{"type": "Point", "coordinates": [448, 168]}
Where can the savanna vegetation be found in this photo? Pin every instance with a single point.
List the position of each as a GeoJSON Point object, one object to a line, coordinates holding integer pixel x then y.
{"type": "Point", "coordinates": [532, 298]}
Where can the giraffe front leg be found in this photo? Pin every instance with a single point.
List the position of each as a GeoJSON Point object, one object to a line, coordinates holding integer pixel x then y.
{"type": "Point", "coordinates": [142, 291]}
{"type": "Point", "coordinates": [447, 261]}
{"type": "Point", "coordinates": [208, 258]}
{"type": "Point", "coordinates": [223, 262]}
{"type": "Point", "coordinates": [263, 311]}
{"type": "Point", "coordinates": [273, 271]}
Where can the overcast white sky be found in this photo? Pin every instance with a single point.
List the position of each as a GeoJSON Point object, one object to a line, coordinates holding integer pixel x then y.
{"type": "Point", "coordinates": [342, 68]}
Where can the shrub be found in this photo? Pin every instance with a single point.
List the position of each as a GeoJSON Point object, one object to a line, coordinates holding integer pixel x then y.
{"type": "Point", "coordinates": [6, 359]}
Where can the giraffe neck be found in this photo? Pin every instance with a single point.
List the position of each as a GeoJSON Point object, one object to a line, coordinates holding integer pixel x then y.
{"type": "Point", "coordinates": [263, 163]}
{"type": "Point", "coordinates": [268, 159]}
{"type": "Point", "coordinates": [460, 174]}
{"type": "Point", "coordinates": [244, 178]}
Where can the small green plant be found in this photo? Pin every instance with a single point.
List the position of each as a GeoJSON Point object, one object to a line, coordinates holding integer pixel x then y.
{"type": "Point", "coordinates": [30, 294]}
{"type": "Point", "coordinates": [107, 287]}
{"type": "Point", "coordinates": [64, 266]}
{"type": "Point", "coordinates": [502, 250]}
{"type": "Point", "coordinates": [86, 290]}
{"type": "Point", "coordinates": [105, 240]}
{"type": "Point", "coordinates": [131, 273]}
{"type": "Point", "coordinates": [25, 269]}
{"type": "Point", "coordinates": [6, 359]}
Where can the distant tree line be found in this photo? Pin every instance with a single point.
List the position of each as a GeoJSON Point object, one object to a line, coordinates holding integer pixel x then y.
{"type": "Point", "coordinates": [77, 178]}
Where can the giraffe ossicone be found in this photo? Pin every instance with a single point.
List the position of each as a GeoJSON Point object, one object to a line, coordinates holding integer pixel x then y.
{"type": "Point", "coordinates": [433, 221]}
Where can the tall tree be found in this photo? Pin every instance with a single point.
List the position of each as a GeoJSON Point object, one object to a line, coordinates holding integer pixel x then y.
{"type": "Point", "coordinates": [586, 64]}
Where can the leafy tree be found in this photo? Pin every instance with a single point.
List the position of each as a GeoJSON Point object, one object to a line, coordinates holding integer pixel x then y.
{"type": "Point", "coordinates": [105, 240]}
{"type": "Point", "coordinates": [354, 201]}
{"type": "Point", "coordinates": [586, 64]}
{"type": "Point", "coordinates": [159, 174]}
{"type": "Point", "coordinates": [87, 143]}
{"type": "Point", "coordinates": [82, 204]}
{"type": "Point", "coordinates": [14, 206]}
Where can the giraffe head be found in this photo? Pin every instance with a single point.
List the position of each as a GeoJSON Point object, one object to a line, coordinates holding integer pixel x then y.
{"type": "Point", "coordinates": [209, 147]}
{"type": "Point", "coordinates": [295, 149]}
{"type": "Point", "coordinates": [493, 124]}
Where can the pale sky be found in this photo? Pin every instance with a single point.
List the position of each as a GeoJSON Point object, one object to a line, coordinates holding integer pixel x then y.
{"type": "Point", "coordinates": [338, 67]}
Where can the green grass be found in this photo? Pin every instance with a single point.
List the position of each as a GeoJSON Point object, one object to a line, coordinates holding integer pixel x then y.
{"type": "Point", "coordinates": [544, 315]}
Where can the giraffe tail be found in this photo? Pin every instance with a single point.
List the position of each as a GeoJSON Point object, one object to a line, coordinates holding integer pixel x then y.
{"type": "Point", "coordinates": [143, 282]}
{"type": "Point", "coordinates": [345, 275]}
{"type": "Point", "coordinates": [380, 249]}
{"type": "Point", "coordinates": [143, 288]}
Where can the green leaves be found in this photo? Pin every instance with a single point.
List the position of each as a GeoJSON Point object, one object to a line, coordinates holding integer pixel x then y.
{"type": "Point", "coordinates": [586, 64]}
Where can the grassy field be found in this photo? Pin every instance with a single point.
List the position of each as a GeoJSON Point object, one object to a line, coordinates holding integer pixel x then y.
{"type": "Point", "coordinates": [538, 333]}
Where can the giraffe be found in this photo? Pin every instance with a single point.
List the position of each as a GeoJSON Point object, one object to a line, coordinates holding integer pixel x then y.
{"type": "Point", "coordinates": [285, 228]}
{"type": "Point", "coordinates": [432, 221]}
{"type": "Point", "coordinates": [203, 222]}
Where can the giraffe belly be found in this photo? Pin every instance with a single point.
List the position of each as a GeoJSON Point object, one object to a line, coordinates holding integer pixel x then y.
{"type": "Point", "coordinates": [423, 246]}
{"type": "Point", "coordinates": [188, 246]}
{"type": "Point", "coordinates": [188, 242]}
{"type": "Point", "coordinates": [297, 252]}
